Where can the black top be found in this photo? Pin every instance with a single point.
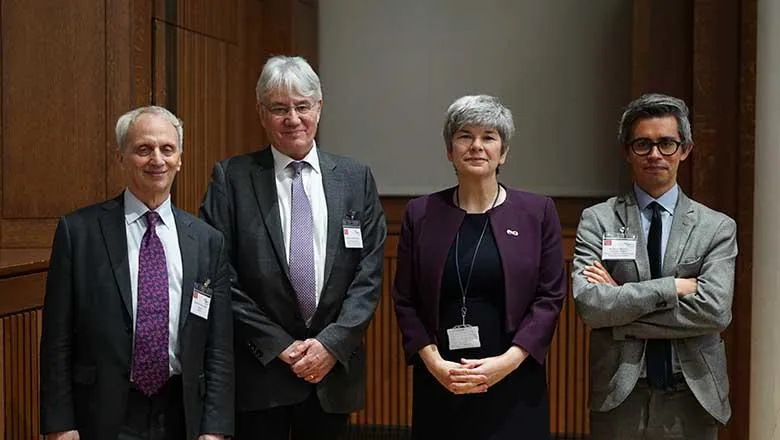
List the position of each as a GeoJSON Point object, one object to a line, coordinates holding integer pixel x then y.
{"type": "Point", "coordinates": [484, 292]}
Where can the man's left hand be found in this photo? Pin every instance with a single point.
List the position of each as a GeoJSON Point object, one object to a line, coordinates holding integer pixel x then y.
{"type": "Point", "coordinates": [315, 364]}
{"type": "Point", "coordinates": [597, 274]}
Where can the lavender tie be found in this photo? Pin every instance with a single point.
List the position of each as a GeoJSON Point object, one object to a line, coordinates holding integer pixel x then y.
{"type": "Point", "coordinates": [302, 273]}
{"type": "Point", "coordinates": [150, 360]}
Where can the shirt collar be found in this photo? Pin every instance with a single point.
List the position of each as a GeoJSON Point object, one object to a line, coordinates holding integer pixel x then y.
{"type": "Point", "coordinates": [281, 160]}
{"type": "Point", "coordinates": [668, 200]}
{"type": "Point", "coordinates": [135, 209]}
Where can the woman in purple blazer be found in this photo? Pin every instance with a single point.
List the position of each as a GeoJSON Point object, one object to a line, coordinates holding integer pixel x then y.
{"type": "Point", "coordinates": [478, 288]}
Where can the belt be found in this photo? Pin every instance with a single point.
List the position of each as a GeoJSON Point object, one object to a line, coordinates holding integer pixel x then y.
{"type": "Point", "coordinates": [678, 381]}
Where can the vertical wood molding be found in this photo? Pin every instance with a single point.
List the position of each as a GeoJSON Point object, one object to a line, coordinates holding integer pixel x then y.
{"type": "Point", "coordinates": [711, 48]}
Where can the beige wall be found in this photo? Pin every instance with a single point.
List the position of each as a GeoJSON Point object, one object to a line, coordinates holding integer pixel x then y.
{"type": "Point", "coordinates": [765, 349]}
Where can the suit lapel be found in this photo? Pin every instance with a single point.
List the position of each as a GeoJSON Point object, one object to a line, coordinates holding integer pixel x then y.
{"type": "Point", "coordinates": [513, 233]}
{"type": "Point", "coordinates": [682, 225]}
{"type": "Point", "coordinates": [441, 224]}
{"type": "Point", "coordinates": [189, 262]}
{"type": "Point", "coordinates": [627, 210]}
{"type": "Point", "coordinates": [334, 189]}
{"type": "Point", "coordinates": [112, 225]}
{"type": "Point", "coordinates": [264, 183]}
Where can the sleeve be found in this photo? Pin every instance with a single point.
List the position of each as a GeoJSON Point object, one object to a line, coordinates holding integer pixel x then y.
{"type": "Point", "coordinates": [706, 311]}
{"type": "Point", "coordinates": [252, 324]}
{"type": "Point", "coordinates": [538, 326]}
{"type": "Point", "coordinates": [218, 407]}
{"type": "Point", "coordinates": [405, 294]}
{"type": "Point", "coordinates": [57, 412]}
{"type": "Point", "coordinates": [343, 336]}
{"type": "Point", "coordinates": [602, 305]}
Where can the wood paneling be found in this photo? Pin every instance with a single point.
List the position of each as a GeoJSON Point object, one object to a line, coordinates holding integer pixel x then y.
{"type": "Point", "coordinates": [128, 73]}
{"type": "Point", "coordinates": [202, 79]}
{"type": "Point", "coordinates": [216, 19]}
{"type": "Point", "coordinates": [27, 233]}
{"type": "Point", "coordinates": [21, 334]}
{"type": "Point", "coordinates": [53, 106]}
{"type": "Point", "coordinates": [710, 46]}
{"type": "Point", "coordinates": [724, 58]}
{"type": "Point", "coordinates": [22, 293]}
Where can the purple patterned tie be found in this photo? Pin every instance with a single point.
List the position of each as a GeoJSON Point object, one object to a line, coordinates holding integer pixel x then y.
{"type": "Point", "coordinates": [302, 272]}
{"type": "Point", "coordinates": [150, 360]}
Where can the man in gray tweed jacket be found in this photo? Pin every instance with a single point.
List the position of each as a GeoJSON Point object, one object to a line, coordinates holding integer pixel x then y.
{"type": "Point", "coordinates": [654, 277]}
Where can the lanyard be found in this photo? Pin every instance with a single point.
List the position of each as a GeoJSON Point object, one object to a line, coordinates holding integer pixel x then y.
{"type": "Point", "coordinates": [464, 288]}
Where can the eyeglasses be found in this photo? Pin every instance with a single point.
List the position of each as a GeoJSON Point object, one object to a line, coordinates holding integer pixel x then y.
{"type": "Point", "coordinates": [281, 111]}
{"type": "Point", "coordinates": [643, 146]}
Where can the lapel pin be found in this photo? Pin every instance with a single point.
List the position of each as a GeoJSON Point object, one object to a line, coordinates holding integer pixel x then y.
{"type": "Point", "coordinates": [511, 232]}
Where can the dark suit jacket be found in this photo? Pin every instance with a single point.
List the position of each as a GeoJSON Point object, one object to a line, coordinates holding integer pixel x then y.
{"type": "Point", "coordinates": [528, 236]}
{"type": "Point", "coordinates": [242, 203]}
{"type": "Point", "coordinates": [87, 341]}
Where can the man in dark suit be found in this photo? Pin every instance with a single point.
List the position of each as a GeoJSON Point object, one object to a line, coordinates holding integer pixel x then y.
{"type": "Point", "coordinates": [137, 328]}
{"type": "Point", "coordinates": [305, 233]}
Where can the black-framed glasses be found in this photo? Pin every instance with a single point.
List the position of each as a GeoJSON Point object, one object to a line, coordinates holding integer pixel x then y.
{"type": "Point", "coordinates": [643, 146]}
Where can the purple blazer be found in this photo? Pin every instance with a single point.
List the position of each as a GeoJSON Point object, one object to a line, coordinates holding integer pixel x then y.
{"type": "Point", "coordinates": [528, 237]}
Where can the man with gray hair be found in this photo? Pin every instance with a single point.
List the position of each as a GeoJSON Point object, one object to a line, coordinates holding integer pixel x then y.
{"type": "Point", "coordinates": [137, 339]}
{"type": "Point", "coordinates": [305, 232]}
{"type": "Point", "coordinates": [654, 277]}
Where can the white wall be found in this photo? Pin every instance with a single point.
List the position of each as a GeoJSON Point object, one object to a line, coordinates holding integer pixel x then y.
{"type": "Point", "coordinates": [390, 69]}
{"type": "Point", "coordinates": [765, 333]}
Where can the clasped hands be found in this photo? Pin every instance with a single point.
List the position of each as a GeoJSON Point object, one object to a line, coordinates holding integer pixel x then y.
{"type": "Point", "coordinates": [308, 359]}
{"type": "Point", "coordinates": [597, 274]}
{"type": "Point", "coordinates": [471, 376]}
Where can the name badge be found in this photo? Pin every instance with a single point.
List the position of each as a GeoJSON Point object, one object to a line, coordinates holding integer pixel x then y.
{"type": "Point", "coordinates": [463, 336]}
{"type": "Point", "coordinates": [201, 300]}
{"type": "Point", "coordinates": [618, 247]}
{"type": "Point", "coordinates": [353, 238]}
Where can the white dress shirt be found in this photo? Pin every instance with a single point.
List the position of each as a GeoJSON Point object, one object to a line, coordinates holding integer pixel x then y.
{"type": "Point", "coordinates": [667, 201]}
{"type": "Point", "coordinates": [312, 184]}
{"type": "Point", "coordinates": [135, 225]}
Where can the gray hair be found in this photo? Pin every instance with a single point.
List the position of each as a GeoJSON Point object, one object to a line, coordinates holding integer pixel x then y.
{"type": "Point", "coordinates": [482, 110]}
{"type": "Point", "coordinates": [125, 121]}
{"type": "Point", "coordinates": [655, 105]}
{"type": "Point", "coordinates": [288, 74]}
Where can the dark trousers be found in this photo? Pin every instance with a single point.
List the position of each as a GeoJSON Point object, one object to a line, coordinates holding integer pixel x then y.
{"type": "Point", "coordinates": [653, 414]}
{"type": "Point", "coordinates": [302, 421]}
{"type": "Point", "coordinates": [159, 417]}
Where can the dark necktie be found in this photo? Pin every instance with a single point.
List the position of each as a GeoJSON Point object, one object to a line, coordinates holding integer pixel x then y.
{"type": "Point", "coordinates": [150, 357]}
{"type": "Point", "coordinates": [302, 273]}
{"type": "Point", "coordinates": [658, 351]}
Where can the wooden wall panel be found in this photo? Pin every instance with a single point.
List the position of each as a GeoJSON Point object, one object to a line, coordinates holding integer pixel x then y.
{"type": "Point", "coordinates": [128, 73]}
{"type": "Point", "coordinates": [216, 19]}
{"type": "Point", "coordinates": [53, 106]}
{"type": "Point", "coordinates": [711, 45]}
{"type": "Point", "coordinates": [724, 59]}
{"type": "Point", "coordinates": [253, 56]}
{"type": "Point", "coordinates": [200, 74]}
{"type": "Point", "coordinates": [27, 233]}
{"type": "Point", "coordinates": [21, 335]}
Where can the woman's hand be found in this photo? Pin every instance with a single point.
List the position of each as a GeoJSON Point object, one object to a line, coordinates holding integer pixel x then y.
{"type": "Point", "coordinates": [456, 378]}
{"type": "Point", "coordinates": [493, 368]}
